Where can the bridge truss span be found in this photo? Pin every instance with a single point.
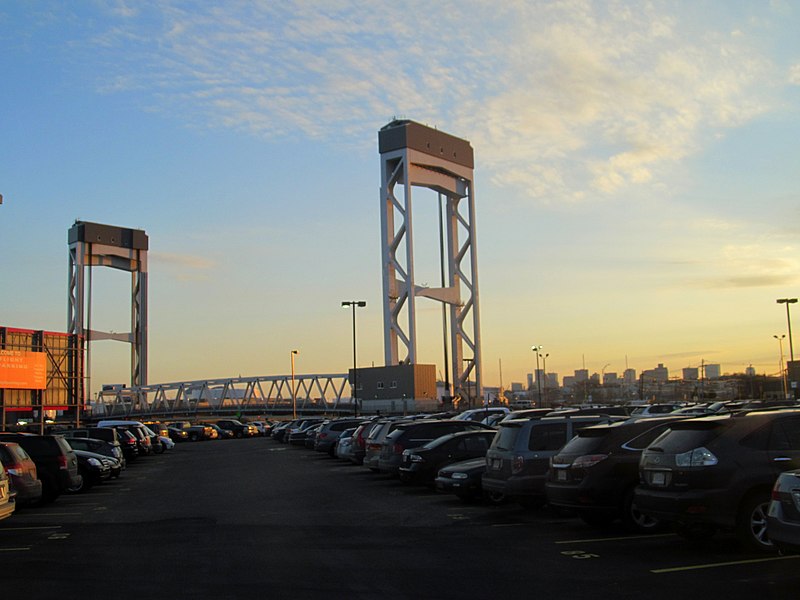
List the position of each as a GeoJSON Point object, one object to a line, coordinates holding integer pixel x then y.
{"type": "Point", "coordinates": [236, 395]}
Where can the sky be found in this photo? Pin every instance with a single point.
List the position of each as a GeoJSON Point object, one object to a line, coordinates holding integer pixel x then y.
{"type": "Point", "coordinates": [637, 176]}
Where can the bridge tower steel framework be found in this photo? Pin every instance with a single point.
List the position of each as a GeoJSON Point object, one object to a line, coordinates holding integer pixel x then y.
{"type": "Point", "coordinates": [414, 155]}
{"type": "Point", "coordinates": [96, 245]}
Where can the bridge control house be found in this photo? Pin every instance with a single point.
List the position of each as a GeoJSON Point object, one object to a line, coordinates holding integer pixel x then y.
{"type": "Point", "coordinates": [397, 389]}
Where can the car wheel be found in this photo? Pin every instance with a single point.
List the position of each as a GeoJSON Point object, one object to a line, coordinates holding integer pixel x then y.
{"type": "Point", "coordinates": [193, 437]}
{"type": "Point", "coordinates": [80, 487]}
{"type": "Point", "coordinates": [751, 523]}
{"type": "Point", "coordinates": [495, 498]}
{"type": "Point", "coordinates": [634, 520]}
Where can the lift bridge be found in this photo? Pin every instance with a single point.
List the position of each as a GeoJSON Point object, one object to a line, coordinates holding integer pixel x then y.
{"type": "Point", "coordinates": [236, 396]}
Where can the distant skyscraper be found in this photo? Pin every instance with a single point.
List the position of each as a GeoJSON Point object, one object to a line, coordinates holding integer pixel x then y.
{"type": "Point", "coordinates": [581, 375]}
{"type": "Point", "coordinates": [660, 374]}
{"type": "Point", "coordinates": [713, 371]}
{"type": "Point", "coordinates": [629, 376]}
{"type": "Point", "coordinates": [691, 374]}
{"type": "Point", "coordinates": [750, 371]}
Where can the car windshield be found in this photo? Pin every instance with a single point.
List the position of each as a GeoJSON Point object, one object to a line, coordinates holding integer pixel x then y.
{"type": "Point", "coordinates": [674, 441]}
{"type": "Point", "coordinates": [583, 444]}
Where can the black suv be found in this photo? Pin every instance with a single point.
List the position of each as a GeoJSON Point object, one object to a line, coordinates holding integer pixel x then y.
{"type": "Point", "coordinates": [717, 472]}
{"type": "Point", "coordinates": [518, 460]}
{"type": "Point", "coordinates": [420, 465]}
{"type": "Point", "coordinates": [418, 433]}
{"type": "Point", "coordinates": [56, 463]}
{"type": "Point", "coordinates": [596, 473]}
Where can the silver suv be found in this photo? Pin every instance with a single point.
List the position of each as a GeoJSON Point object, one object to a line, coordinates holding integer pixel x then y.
{"type": "Point", "coordinates": [519, 457]}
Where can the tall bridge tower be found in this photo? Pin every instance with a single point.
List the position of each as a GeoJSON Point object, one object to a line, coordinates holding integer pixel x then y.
{"type": "Point", "coordinates": [95, 245]}
{"type": "Point", "coordinates": [414, 155]}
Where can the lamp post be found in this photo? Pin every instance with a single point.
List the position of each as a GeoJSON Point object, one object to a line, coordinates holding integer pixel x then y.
{"type": "Point", "coordinates": [544, 372]}
{"type": "Point", "coordinates": [354, 304]}
{"type": "Point", "coordinates": [787, 302]}
{"type": "Point", "coordinates": [294, 391]}
{"type": "Point", "coordinates": [783, 373]}
{"type": "Point", "coordinates": [538, 379]}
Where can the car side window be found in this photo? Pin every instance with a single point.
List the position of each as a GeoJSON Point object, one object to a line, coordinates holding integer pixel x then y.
{"type": "Point", "coordinates": [547, 437]}
{"type": "Point", "coordinates": [785, 435]}
{"type": "Point", "coordinates": [476, 443]}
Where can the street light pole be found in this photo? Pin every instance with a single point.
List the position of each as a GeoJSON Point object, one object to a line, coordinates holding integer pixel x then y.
{"type": "Point", "coordinates": [538, 379]}
{"type": "Point", "coordinates": [544, 372]}
{"type": "Point", "coordinates": [787, 302]}
{"type": "Point", "coordinates": [294, 391]}
{"type": "Point", "coordinates": [354, 304]}
{"type": "Point", "coordinates": [783, 373]}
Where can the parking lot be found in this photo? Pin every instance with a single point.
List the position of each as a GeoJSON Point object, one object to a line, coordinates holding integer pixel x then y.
{"type": "Point", "coordinates": [239, 518]}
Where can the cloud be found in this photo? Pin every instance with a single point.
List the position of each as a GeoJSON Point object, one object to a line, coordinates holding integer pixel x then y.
{"type": "Point", "coordinates": [562, 100]}
{"type": "Point", "coordinates": [190, 268]}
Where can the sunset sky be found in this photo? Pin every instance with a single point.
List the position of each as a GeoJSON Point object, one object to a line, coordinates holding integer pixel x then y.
{"type": "Point", "coordinates": [637, 175]}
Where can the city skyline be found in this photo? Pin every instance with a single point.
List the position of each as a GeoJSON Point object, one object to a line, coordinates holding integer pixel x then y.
{"type": "Point", "coordinates": [635, 176]}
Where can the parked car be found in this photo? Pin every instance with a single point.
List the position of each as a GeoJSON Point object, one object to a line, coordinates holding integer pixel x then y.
{"type": "Point", "coordinates": [783, 516]}
{"type": "Point", "coordinates": [238, 428]}
{"type": "Point", "coordinates": [654, 410]}
{"type": "Point", "coordinates": [147, 440]}
{"type": "Point", "coordinates": [374, 440]}
{"type": "Point", "coordinates": [178, 434]}
{"type": "Point", "coordinates": [195, 433]}
{"type": "Point", "coordinates": [419, 433]}
{"type": "Point", "coordinates": [718, 472]}
{"type": "Point", "coordinates": [21, 471]}
{"type": "Point", "coordinates": [311, 436]}
{"type": "Point", "coordinates": [56, 463]}
{"type": "Point", "coordinates": [94, 468]}
{"type": "Point", "coordinates": [359, 442]}
{"type": "Point", "coordinates": [280, 429]}
{"type": "Point", "coordinates": [479, 414]}
{"type": "Point", "coordinates": [297, 433]}
{"type": "Point", "coordinates": [263, 427]}
{"type": "Point", "coordinates": [597, 471]}
{"type": "Point", "coordinates": [218, 432]}
{"type": "Point", "coordinates": [422, 464]}
{"type": "Point", "coordinates": [7, 500]}
{"type": "Point", "coordinates": [329, 433]}
{"type": "Point", "coordinates": [129, 444]}
{"type": "Point", "coordinates": [344, 445]}
{"type": "Point", "coordinates": [519, 458]}
{"type": "Point", "coordinates": [464, 480]}
{"type": "Point", "coordinates": [100, 447]}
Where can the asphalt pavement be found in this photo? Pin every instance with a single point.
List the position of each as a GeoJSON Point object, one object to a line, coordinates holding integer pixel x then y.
{"type": "Point", "coordinates": [255, 518]}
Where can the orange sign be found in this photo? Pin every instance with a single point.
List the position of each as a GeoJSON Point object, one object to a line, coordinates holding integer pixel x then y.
{"type": "Point", "coordinates": [20, 370]}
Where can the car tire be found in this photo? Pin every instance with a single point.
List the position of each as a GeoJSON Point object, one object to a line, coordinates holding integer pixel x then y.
{"type": "Point", "coordinates": [81, 487]}
{"type": "Point", "coordinates": [496, 498]}
{"type": "Point", "coordinates": [751, 523]}
{"type": "Point", "coordinates": [633, 520]}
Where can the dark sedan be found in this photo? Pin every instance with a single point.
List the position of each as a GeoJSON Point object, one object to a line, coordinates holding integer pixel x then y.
{"type": "Point", "coordinates": [94, 469]}
{"type": "Point", "coordinates": [100, 447]}
{"type": "Point", "coordinates": [420, 465]}
{"type": "Point", "coordinates": [464, 480]}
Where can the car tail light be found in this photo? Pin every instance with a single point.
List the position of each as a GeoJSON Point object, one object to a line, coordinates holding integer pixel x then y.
{"type": "Point", "coordinates": [322, 436]}
{"type": "Point", "coordinates": [62, 462]}
{"type": "Point", "coordinates": [397, 449]}
{"type": "Point", "coordinates": [699, 457]}
{"type": "Point", "coordinates": [588, 460]}
{"type": "Point", "coordinates": [517, 464]}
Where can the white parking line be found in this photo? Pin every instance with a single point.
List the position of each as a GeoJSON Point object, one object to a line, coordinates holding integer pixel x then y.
{"type": "Point", "coordinates": [48, 515]}
{"type": "Point", "coordinates": [15, 549]}
{"type": "Point", "coordinates": [722, 564]}
{"type": "Point", "coordinates": [617, 539]}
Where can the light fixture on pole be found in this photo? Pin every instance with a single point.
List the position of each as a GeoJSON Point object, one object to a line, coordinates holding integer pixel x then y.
{"type": "Point", "coordinates": [354, 304]}
{"type": "Point", "coordinates": [294, 391]}
{"type": "Point", "coordinates": [787, 302]}
{"type": "Point", "coordinates": [783, 372]}
{"type": "Point", "coordinates": [538, 379]}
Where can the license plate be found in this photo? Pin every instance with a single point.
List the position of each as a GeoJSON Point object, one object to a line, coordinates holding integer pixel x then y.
{"type": "Point", "coordinates": [658, 478]}
{"type": "Point", "coordinates": [497, 463]}
{"type": "Point", "coordinates": [561, 475]}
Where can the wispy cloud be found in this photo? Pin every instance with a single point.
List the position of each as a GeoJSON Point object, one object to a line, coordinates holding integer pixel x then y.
{"type": "Point", "coordinates": [185, 266]}
{"type": "Point", "coordinates": [562, 100]}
